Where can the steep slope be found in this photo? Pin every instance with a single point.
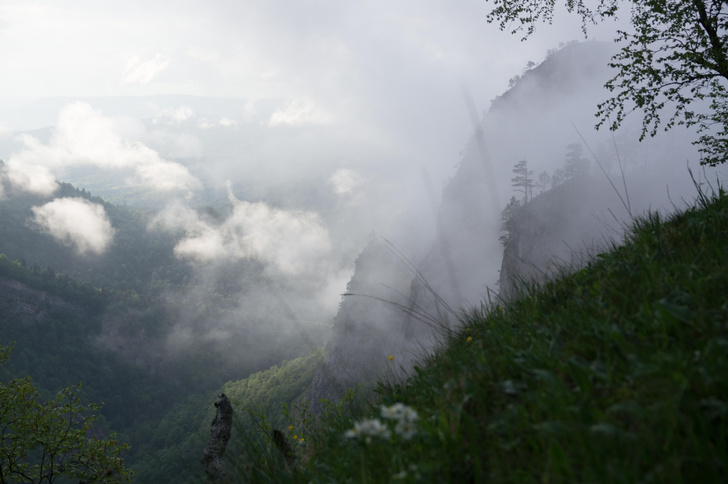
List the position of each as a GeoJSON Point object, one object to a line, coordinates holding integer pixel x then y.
{"type": "Point", "coordinates": [461, 267]}
{"type": "Point", "coordinates": [615, 373]}
{"type": "Point", "coordinates": [368, 326]}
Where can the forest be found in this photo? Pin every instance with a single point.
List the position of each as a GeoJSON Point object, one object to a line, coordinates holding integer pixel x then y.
{"type": "Point", "coordinates": [105, 323]}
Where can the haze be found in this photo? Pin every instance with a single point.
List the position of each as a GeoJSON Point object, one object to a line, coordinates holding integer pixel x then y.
{"type": "Point", "coordinates": [316, 124]}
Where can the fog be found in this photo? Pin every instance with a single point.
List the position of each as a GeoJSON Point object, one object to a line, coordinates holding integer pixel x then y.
{"type": "Point", "coordinates": [289, 242]}
{"type": "Point", "coordinates": [83, 135]}
{"type": "Point", "coordinates": [76, 222]}
{"type": "Point", "coordinates": [287, 135]}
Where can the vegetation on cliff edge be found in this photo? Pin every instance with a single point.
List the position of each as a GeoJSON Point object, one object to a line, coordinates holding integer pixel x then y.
{"type": "Point", "coordinates": [617, 372]}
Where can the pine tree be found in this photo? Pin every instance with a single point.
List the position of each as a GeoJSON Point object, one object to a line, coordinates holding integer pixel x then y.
{"type": "Point", "coordinates": [544, 180]}
{"type": "Point", "coordinates": [507, 219]}
{"type": "Point", "coordinates": [575, 164]}
{"type": "Point", "coordinates": [523, 181]}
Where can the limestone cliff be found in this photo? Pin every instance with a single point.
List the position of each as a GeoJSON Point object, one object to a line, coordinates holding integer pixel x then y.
{"type": "Point", "coordinates": [557, 230]}
{"type": "Point", "coordinates": [368, 325]}
{"type": "Point", "coordinates": [461, 268]}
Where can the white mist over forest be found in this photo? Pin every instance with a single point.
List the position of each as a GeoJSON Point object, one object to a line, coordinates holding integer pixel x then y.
{"type": "Point", "coordinates": [306, 130]}
{"type": "Point", "coordinates": [289, 136]}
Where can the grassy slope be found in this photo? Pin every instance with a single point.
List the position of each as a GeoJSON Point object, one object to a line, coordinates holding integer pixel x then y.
{"type": "Point", "coordinates": [616, 373]}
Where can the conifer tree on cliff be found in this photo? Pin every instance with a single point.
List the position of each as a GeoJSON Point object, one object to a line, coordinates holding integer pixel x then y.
{"type": "Point", "coordinates": [523, 181]}
{"type": "Point", "coordinates": [672, 66]}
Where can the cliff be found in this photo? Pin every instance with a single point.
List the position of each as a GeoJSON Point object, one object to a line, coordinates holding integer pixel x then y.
{"type": "Point", "coordinates": [560, 229]}
{"type": "Point", "coordinates": [367, 328]}
{"type": "Point", "coordinates": [461, 268]}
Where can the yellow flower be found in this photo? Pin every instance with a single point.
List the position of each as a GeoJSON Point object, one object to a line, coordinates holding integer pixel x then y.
{"type": "Point", "coordinates": [290, 427]}
{"type": "Point", "coordinates": [469, 339]}
{"type": "Point", "coordinates": [391, 357]}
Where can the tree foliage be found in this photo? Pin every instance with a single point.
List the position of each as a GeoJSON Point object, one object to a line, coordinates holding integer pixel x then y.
{"type": "Point", "coordinates": [523, 181]}
{"type": "Point", "coordinates": [507, 224]}
{"type": "Point", "coordinates": [46, 442]}
{"type": "Point", "coordinates": [574, 162]}
{"type": "Point", "coordinates": [673, 59]}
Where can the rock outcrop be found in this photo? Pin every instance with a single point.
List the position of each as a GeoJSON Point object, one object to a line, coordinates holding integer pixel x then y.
{"type": "Point", "coordinates": [368, 326]}
{"type": "Point", "coordinates": [220, 432]}
{"type": "Point", "coordinates": [461, 268]}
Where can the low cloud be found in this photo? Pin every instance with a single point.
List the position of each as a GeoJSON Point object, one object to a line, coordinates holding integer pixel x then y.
{"type": "Point", "coordinates": [30, 178]}
{"type": "Point", "coordinates": [177, 115]}
{"type": "Point", "coordinates": [346, 183]}
{"type": "Point", "coordinates": [137, 72]}
{"type": "Point", "coordinates": [301, 113]}
{"type": "Point", "coordinates": [77, 223]}
{"type": "Point", "coordinates": [84, 136]}
{"type": "Point", "coordinates": [291, 242]}
{"type": "Point", "coordinates": [165, 176]}
{"type": "Point", "coordinates": [185, 114]}
{"type": "Point", "coordinates": [227, 122]}
{"type": "Point", "coordinates": [223, 122]}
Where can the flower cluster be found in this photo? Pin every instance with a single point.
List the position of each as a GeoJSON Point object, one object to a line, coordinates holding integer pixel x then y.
{"type": "Point", "coordinates": [368, 428]}
{"type": "Point", "coordinates": [403, 416]}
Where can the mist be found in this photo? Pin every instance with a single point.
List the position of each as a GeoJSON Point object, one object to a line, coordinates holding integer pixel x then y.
{"type": "Point", "coordinates": [76, 222]}
{"type": "Point", "coordinates": [272, 142]}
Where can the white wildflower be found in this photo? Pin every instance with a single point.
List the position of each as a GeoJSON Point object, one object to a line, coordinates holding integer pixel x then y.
{"type": "Point", "coordinates": [353, 433]}
{"type": "Point", "coordinates": [394, 412]}
{"type": "Point", "coordinates": [409, 414]}
{"type": "Point", "coordinates": [368, 428]}
{"type": "Point", "coordinates": [406, 429]}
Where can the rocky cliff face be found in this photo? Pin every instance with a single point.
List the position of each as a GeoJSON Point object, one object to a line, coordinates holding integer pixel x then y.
{"type": "Point", "coordinates": [368, 326]}
{"type": "Point", "coordinates": [461, 268]}
{"type": "Point", "coordinates": [558, 230]}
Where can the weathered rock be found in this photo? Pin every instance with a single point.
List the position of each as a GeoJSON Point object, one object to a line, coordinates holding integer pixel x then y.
{"type": "Point", "coordinates": [366, 328]}
{"type": "Point", "coordinates": [220, 431]}
{"type": "Point", "coordinates": [284, 446]}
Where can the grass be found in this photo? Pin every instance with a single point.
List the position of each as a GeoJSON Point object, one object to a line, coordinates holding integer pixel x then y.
{"type": "Point", "coordinates": [615, 373]}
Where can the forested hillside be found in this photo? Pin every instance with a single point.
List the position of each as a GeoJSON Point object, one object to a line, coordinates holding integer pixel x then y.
{"type": "Point", "coordinates": [110, 322]}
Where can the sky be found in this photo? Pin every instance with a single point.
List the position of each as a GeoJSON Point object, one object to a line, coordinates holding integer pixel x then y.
{"type": "Point", "coordinates": [349, 92]}
{"type": "Point", "coordinates": [344, 58]}
{"type": "Point", "coordinates": [382, 81]}
{"type": "Point", "coordinates": [370, 101]}
{"type": "Point", "coordinates": [318, 122]}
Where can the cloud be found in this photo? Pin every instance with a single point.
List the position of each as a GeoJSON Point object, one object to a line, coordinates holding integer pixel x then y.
{"type": "Point", "coordinates": [292, 242]}
{"type": "Point", "coordinates": [227, 122]}
{"type": "Point", "coordinates": [30, 178]}
{"type": "Point", "coordinates": [76, 222]}
{"type": "Point", "coordinates": [176, 115]}
{"type": "Point", "coordinates": [346, 183]}
{"type": "Point", "coordinates": [223, 122]}
{"type": "Point", "coordinates": [203, 55]}
{"type": "Point", "coordinates": [165, 176]}
{"type": "Point", "coordinates": [5, 131]}
{"type": "Point", "coordinates": [84, 136]}
{"type": "Point", "coordinates": [300, 112]}
{"type": "Point", "coordinates": [137, 72]}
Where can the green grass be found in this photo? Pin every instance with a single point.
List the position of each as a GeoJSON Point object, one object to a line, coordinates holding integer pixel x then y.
{"type": "Point", "coordinates": [615, 373]}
